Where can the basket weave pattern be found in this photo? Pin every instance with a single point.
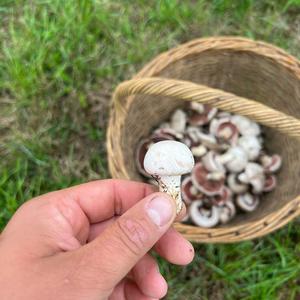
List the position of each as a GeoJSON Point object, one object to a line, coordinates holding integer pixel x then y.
{"type": "Point", "coordinates": [227, 73]}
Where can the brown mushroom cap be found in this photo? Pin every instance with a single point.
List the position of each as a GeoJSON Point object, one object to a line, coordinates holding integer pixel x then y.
{"type": "Point", "coordinates": [270, 183]}
{"type": "Point", "coordinates": [188, 195]}
{"type": "Point", "coordinates": [197, 118]}
{"type": "Point", "coordinates": [206, 186]}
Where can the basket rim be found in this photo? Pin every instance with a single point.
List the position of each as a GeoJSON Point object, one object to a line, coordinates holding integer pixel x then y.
{"type": "Point", "coordinates": [229, 234]}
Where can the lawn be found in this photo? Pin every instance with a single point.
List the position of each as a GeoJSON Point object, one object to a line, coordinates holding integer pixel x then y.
{"type": "Point", "coordinates": [59, 64]}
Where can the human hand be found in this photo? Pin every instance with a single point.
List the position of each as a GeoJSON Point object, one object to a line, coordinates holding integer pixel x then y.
{"type": "Point", "coordinates": [90, 242]}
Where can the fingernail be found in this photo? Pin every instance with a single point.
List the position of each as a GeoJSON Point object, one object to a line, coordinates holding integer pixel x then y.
{"type": "Point", "coordinates": [160, 210]}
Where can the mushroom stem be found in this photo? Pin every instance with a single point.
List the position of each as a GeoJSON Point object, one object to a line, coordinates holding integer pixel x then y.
{"type": "Point", "coordinates": [171, 186]}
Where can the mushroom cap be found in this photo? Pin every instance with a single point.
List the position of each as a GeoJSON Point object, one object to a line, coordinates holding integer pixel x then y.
{"type": "Point", "coordinates": [203, 217]}
{"type": "Point", "coordinates": [187, 192]}
{"type": "Point", "coordinates": [224, 130]}
{"type": "Point", "coordinates": [247, 202]}
{"type": "Point", "coordinates": [271, 163]}
{"type": "Point", "coordinates": [235, 185]}
{"type": "Point", "coordinates": [211, 162]}
{"type": "Point", "coordinates": [254, 174]}
{"type": "Point", "coordinates": [270, 183]}
{"type": "Point", "coordinates": [227, 212]}
{"type": "Point", "coordinates": [239, 159]}
{"type": "Point", "coordinates": [201, 114]}
{"type": "Point", "coordinates": [245, 125]}
{"type": "Point", "coordinates": [251, 145]}
{"type": "Point", "coordinates": [206, 186]}
{"type": "Point", "coordinates": [224, 196]}
{"type": "Point", "coordinates": [165, 134]}
{"type": "Point", "coordinates": [178, 120]}
{"type": "Point", "coordinates": [168, 158]}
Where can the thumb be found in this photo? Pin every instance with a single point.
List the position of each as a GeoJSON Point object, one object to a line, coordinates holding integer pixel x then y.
{"type": "Point", "coordinates": [113, 254]}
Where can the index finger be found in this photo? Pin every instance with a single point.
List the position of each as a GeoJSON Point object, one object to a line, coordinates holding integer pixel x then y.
{"type": "Point", "coordinates": [103, 199]}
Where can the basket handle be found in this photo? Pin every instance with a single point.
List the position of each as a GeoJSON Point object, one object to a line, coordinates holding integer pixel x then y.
{"type": "Point", "coordinates": [189, 91]}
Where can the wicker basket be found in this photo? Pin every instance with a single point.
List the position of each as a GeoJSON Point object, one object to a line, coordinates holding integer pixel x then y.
{"type": "Point", "coordinates": [225, 72]}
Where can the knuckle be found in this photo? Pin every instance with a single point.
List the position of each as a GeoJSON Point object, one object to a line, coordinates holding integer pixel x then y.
{"type": "Point", "coordinates": [133, 234]}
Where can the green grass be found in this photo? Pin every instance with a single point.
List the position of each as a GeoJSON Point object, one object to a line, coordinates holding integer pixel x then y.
{"type": "Point", "coordinates": [59, 63]}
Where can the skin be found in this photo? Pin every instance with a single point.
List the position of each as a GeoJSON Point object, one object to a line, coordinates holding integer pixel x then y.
{"type": "Point", "coordinates": [89, 242]}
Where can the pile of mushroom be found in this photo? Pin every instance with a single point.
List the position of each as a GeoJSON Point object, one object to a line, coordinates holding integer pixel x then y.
{"type": "Point", "coordinates": [232, 169]}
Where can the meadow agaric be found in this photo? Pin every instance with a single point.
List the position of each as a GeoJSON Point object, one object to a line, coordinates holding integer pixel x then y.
{"type": "Point", "coordinates": [166, 161]}
{"type": "Point", "coordinates": [189, 192]}
{"type": "Point", "coordinates": [204, 216]}
{"type": "Point", "coordinates": [202, 183]}
{"type": "Point", "coordinates": [224, 196]}
{"type": "Point", "coordinates": [251, 145]}
{"type": "Point", "coordinates": [245, 125]}
{"type": "Point", "coordinates": [270, 183]}
{"type": "Point", "coordinates": [235, 185]}
{"type": "Point", "coordinates": [235, 159]}
{"type": "Point", "coordinates": [201, 114]}
{"type": "Point", "coordinates": [271, 164]}
{"type": "Point", "coordinates": [254, 175]}
{"type": "Point", "coordinates": [227, 212]}
{"type": "Point", "coordinates": [224, 130]}
{"type": "Point", "coordinates": [178, 120]}
{"type": "Point", "coordinates": [247, 202]}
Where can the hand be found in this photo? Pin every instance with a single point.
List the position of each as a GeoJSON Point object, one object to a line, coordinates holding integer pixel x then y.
{"type": "Point", "coordinates": [90, 242]}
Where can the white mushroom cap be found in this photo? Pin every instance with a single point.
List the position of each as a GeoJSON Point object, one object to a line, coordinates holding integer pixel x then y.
{"type": "Point", "coordinates": [251, 145]}
{"type": "Point", "coordinates": [211, 163]}
{"type": "Point", "coordinates": [227, 212]}
{"type": "Point", "coordinates": [271, 163]}
{"type": "Point", "coordinates": [247, 202]}
{"type": "Point", "coordinates": [199, 150]}
{"type": "Point", "coordinates": [245, 125]}
{"type": "Point", "coordinates": [235, 159]}
{"type": "Point", "coordinates": [203, 217]}
{"type": "Point", "coordinates": [254, 174]}
{"type": "Point", "coordinates": [168, 158]}
{"type": "Point", "coordinates": [236, 186]}
{"type": "Point", "coordinates": [178, 120]}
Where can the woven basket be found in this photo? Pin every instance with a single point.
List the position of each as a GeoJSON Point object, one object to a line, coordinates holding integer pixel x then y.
{"type": "Point", "coordinates": [225, 72]}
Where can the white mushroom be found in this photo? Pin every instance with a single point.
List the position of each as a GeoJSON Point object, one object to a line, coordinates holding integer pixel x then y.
{"type": "Point", "coordinates": [178, 120]}
{"type": "Point", "coordinates": [254, 175]}
{"type": "Point", "coordinates": [247, 202]}
{"type": "Point", "coordinates": [202, 216]}
{"type": "Point", "coordinates": [235, 159]}
{"type": "Point", "coordinates": [235, 185]}
{"type": "Point", "coordinates": [251, 145]}
{"type": "Point", "coordinates": [166, 161]}
{"type": "Point", "coordinates": [212, 164]}
{"type": "Point", "coordinates": [227, 212]}
{"type": "Point", "coordinates": [272, 163]}
{"type": "Point", "coordinates": [245, 125]}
